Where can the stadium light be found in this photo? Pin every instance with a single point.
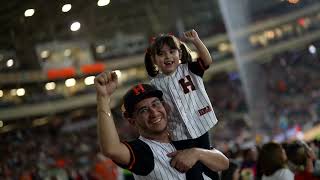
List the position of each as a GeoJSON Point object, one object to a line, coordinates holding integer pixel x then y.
{"type": "Point", "coordinates": [70, 82]}
{"type": "Point", "coordinates": [10, 63]}
{"type": "Point", "coordinates": [103, 2]}
{"type": "Point", "coordinates": [50, 86]}
{"type": "Point", "coordinates": [29, 13]}
{"type": "Point", "coordinates": [89, 80]}
{"type": "Point", "coordinates": [75, 26]}
{"type": "Point", "coordinates": [44, 54]}
{"type": "Point", "coordinates": [312, 49]}
{"type": "Point", "coordinates": [66, 8]}
{"type": "Point", "coordinates": [21, 92]}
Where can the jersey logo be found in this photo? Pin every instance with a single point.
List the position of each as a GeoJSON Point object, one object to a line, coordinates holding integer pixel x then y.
{"type": "Point", "coordinates": [187, 85]}
{"type": "Point", "coordinates": [204, 110]}
{"type": "Point", "coordinates": [138, 89]}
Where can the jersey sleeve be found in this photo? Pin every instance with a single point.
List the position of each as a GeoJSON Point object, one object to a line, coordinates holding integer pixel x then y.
{"type": "Point", "coordinates": [197, 67]}
{"type": "Point", "coordinates": [141, 158]}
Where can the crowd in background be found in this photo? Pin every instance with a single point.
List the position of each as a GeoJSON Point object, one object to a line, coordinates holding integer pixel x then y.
{"type": "Point", "coordinates": [272, 160]}
{"type": "Point", "coordinates": [293, 91]}
{"type": "Point", "coordinates": [49, 153]}
{"type": "Point", "coordinates": [293, 88]}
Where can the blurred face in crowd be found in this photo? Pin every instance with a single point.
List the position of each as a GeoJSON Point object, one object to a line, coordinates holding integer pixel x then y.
{"type": "Point", "coordinates": [250, 154]}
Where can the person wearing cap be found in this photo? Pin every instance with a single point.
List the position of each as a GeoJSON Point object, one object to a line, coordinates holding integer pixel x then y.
{"type": "Point", "coordinates": [153, 155]}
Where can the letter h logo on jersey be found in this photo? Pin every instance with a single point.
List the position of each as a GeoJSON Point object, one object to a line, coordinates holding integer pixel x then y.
{"type": "Point", "coordinates": [186, 84]}
{"type": "Point", "coordinates": [138, 89]}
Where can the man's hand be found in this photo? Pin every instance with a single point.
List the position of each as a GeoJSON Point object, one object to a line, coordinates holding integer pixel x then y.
{"type": "Point", "coordinates": [106, 83]}
{"type": "Point", "coordinates": [183, 160]}
{"type": "Point", "coordinates": [191, 35]}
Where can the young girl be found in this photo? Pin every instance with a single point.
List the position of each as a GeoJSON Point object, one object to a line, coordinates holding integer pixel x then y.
{"type": "Point", "coordinates": [168, 62]}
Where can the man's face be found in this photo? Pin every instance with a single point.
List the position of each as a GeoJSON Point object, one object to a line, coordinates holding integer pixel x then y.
{"type": "Point", "coordinates": [150, 117]}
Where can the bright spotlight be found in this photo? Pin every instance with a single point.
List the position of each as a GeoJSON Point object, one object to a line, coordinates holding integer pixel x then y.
{"type": "Point", "coordinates": [10, 63]}
{"type": "Point", "coordinates": [312, 49]}
{"type": "Point", "coordinates": [67, 52]}
{"type": "Point", "coordinates": [44, 54]}
{"type": "Point", "coordinates": [50, 86]}
{"type": "Point", "coordinates": [75, 26]}
{"type": "Point", "coordinates": [66, 8]}
{"type": "Point", "coordinates": [103, 2]}
{"type": "Point", "coordinates": [21, 92]}
{"type": "Point", "coordinates": [89, 80]}
{"type": "Point", "coordinates": [100, 48]}
{"type": "Point", "coordinates": [29, 13]}
{"type": "Point", "coordinates": [70, 82]}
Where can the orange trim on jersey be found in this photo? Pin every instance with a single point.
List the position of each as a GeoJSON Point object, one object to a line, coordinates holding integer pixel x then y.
{"type": "Point", "coordinates": [201, 64]}
{"type": "Point", "coordinates": [133, 157]}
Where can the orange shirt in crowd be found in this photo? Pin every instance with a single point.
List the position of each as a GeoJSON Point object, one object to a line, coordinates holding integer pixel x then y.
{"type": "Point", "coordinates": [106, 169]}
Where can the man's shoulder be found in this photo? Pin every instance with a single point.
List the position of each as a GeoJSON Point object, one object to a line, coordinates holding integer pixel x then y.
{"type": "Point", "coordinates": [142, 158]}
{"type": "Point", "coordinates": [138, 143]}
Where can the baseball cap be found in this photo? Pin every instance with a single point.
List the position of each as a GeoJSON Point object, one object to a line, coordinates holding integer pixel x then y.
{"type": "Point", "coordinates": [137, 94]}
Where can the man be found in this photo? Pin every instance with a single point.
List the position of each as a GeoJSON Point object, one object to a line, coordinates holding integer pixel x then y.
{"type": "Point", "coordinates": [152, 156]}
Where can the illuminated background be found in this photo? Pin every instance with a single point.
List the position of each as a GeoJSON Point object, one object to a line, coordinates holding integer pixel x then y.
{"type": "Point", "coordinates": [263, 84]}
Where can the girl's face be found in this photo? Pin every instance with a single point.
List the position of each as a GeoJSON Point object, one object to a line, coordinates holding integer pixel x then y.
{"type": "Point", "coordinates": [167, 59]}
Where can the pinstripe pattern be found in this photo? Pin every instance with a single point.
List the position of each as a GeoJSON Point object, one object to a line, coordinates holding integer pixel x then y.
{"type": "Point", "coordinates": [186, 121]}
{"type": "Point", "coordinates": [162, 169]}
{"type": "Point", "coordinates": [162, 162]}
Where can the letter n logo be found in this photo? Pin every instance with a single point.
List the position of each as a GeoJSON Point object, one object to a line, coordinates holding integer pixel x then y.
{"type": "Point", "coordinates": [187, 85]}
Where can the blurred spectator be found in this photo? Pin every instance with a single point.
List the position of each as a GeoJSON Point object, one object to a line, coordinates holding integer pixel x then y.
{"type": "Point", "coordinates": [272, 161]}
{"type": "Point", "coordinates": [232, 173]}
{"type": "Point", "coordinates": [301, 160]}
{"type": "Point", "coordinates": [248, 165]}
{"type": "Point", "coordinates": [104, 168]}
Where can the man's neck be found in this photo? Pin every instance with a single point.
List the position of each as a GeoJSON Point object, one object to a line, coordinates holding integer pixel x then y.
{"type": "Point", "coordinates": [163, 137]}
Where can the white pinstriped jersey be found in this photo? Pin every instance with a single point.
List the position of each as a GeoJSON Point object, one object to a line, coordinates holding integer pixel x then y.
{"type": "Point", "coordinates": [192, 113]}
{"type": "Point", "coordinates": [150, 161]}
{"type": "Point", "coordinates": [161, 162]}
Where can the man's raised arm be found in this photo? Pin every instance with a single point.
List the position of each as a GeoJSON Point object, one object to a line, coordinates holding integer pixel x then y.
{"type": "Point", "coordinates": [106, 83]}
